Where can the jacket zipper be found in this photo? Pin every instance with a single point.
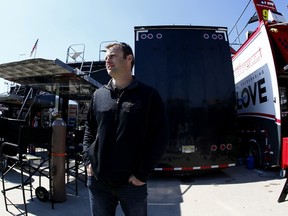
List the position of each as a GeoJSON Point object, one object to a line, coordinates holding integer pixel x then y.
{"type": "Point", "coordinates": [117, 106]}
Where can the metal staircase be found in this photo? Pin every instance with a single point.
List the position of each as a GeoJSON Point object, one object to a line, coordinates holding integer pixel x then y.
{"type": "Point", "coordinates": [29, 97]}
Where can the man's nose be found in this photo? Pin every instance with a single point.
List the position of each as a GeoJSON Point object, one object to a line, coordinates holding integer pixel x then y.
{"type": "Point", "coordinates": [108, 58]}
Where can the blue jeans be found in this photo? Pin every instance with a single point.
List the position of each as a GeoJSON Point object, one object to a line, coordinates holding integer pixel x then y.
{"type": "Point", "coordinates": [104, 199]}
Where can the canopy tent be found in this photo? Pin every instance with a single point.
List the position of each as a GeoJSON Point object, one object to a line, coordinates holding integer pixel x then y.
{"type": "Point", "coordinates": [53, 76]}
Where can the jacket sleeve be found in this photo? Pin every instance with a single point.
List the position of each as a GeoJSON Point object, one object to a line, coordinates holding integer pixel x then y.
{"type": "Point", "coordinates": [156, 137]}
{"type": "Point", "coordinates": [90, 131]}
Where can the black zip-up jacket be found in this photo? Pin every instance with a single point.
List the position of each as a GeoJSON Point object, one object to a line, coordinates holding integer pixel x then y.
{"type": "Point", "coordinates": [125, 133]}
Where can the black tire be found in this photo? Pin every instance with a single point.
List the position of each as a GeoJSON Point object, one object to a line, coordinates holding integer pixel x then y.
{"type": "Point", "coordinates": [255, 151]}
{"type": "Point", "coordinates": [42, 194]}
{"type": "Point", "coordinates": [3, 164]}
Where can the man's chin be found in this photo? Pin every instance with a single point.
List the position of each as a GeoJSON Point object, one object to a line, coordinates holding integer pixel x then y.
{"type": "Point", "coordinates": [111, 73]}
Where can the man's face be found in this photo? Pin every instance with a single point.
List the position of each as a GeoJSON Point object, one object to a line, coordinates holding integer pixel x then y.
{"type": "Point", "coordinates": [115, 62]}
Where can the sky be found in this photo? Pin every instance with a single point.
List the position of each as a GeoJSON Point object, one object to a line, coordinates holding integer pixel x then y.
{"type": "Point", "coordinates": [59, 24]}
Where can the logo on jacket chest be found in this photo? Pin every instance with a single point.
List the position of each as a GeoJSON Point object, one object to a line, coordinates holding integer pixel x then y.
{"type": "Point", "coordinates": [131, 106]}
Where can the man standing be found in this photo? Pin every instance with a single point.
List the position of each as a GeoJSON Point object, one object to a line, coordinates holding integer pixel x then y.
{"type": "Point", "coordinates": [125, 136]}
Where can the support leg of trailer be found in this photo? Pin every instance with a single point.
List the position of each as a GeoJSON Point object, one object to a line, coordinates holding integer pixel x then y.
{"type": "Point", "coordinates": [284, 192]}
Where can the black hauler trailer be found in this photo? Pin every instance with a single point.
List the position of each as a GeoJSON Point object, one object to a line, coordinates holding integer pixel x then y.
{"type": "Point", "coordinates": [191, 67]}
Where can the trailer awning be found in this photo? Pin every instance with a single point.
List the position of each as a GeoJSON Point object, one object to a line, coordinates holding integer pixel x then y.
{"type": "Point", "coordinates": [53, 76]}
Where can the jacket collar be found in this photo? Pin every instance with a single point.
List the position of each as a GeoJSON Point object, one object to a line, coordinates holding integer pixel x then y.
{"type": "Point", "coordinates": [132, 85]}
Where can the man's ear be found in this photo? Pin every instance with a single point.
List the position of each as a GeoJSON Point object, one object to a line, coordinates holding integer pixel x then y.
{"type": "Point", "coordinates": [130, 57]}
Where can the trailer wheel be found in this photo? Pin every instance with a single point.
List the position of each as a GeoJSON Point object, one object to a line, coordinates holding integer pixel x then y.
{"type": "Point", "coordinates": [254, 151]}
{"type": "Point", "coordinates": [42, 194]}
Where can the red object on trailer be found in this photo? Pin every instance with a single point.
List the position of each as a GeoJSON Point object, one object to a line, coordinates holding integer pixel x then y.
{"type": "Point", "coordinates": [284, 164]}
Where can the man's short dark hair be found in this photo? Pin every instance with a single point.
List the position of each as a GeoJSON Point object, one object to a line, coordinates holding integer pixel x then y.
{"type": "Point", "coordinates": [127, 50]}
